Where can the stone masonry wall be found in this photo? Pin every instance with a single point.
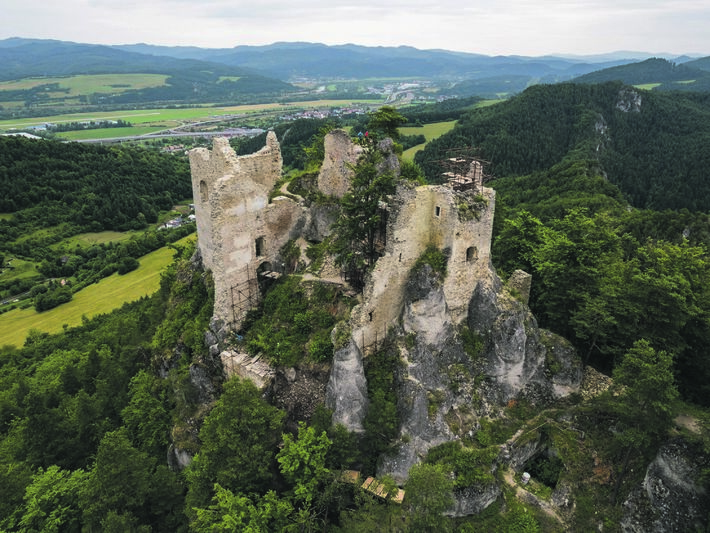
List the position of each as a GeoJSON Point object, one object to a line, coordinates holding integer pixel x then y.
{"type": "Point", "coordinates": [420, 217]}
{"type": "Point", "coordinates": [240, 231]}
{"type": "Point", "coordinates": [335, 174]}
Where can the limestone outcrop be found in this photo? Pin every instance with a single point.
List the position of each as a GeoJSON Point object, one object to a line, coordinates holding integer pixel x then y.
{"type": "Point", "coordinates": [671, 497]}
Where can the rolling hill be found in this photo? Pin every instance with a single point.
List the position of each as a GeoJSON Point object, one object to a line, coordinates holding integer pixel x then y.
{"type": "Point", "coordinates": [189, 80]}
{"type": "Point", "coordinates": [661, 73]}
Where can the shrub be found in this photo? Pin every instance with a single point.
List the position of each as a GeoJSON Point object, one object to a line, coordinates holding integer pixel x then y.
{"type": "Point", "coordinates": [127, 264]}
{"type": "Point", "coordinates": [435, 258]}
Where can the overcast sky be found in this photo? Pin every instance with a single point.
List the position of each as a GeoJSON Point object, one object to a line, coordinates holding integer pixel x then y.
{"type": "Point", "coordinates": [481, 26]}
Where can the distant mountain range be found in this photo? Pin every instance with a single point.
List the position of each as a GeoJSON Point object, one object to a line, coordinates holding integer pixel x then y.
{"type": "Point", "coordinates": [289, 61]}
{"type": "Point", "coordinates": [219, 74]}
{"type": "Point", "coordinates": [189, 79]}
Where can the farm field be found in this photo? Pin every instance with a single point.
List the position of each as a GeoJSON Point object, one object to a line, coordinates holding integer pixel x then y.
{"type": "Point", "coordinates": [430, 131]}
{"type": "Point", "coordinates": [89, 83]}
{"type": "Point", "coordinates": [167, 118]}
{"type": "Point", "coordinates": [86, 240]}
{"type": "Point", "coordinates": [103, 297]}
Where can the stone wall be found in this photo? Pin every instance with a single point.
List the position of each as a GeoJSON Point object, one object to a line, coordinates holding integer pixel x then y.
{"type": "Point", "coordinates": [240, 232]}
{"type": "Point", "coordinates": [335, 173]}
{"type": "Point", "coordinates": [419, 217]}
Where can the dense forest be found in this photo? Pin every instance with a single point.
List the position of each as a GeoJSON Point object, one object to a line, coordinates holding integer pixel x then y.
{"type": "Point", "coordinates": [91, 187]}
{"type": "Point", "coordinates": [651, 145]}
{"type": "Point", "coordinates": [661, 74]}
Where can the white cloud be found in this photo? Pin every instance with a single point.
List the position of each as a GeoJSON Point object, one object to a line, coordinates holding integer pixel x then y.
{"type": "Point", "coordinates": [484, 26]}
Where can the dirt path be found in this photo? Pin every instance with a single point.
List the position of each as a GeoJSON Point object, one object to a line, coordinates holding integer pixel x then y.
{"type": "Point", "coordinates": [284, 190]}
{"type": "Point", "coordinates": [530, 498]}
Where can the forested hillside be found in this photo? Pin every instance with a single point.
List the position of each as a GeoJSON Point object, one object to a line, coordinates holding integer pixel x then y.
{"type": "Point", "coordinates": [651, 145]}
{"type": "Point", "coordinates": [659, 73]}
{"type": "Point", "coordinates": [53, 191]}
{"type": "Point", "coordinates": [90, 187]}
{"type": "Point", "coordinates": [84, 419]}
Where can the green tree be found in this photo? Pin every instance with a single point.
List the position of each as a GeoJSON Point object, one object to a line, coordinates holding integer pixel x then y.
{"type": "Point", "coordinates": [119, 482]}
{"type": "Point", "coordinates": [239, 439]}
{"type": "Point", "coordinates": [428, 493]}
{"type": "Point", "coordinates": [642, 401]}
{"type": "Point", "coordinates": [386, 120]}
{"type": "Point", "coordinates": [235, 512]}
{"type": "Point", "coordinates": [51, 502]}
{"type": "Point", "coordinates": [302, 461]}
{"type": "Point", "coordinates": [410, 171]}
{"type": "Point", "coordinates": [361, 221]}
{"type": "Point", "coordinates": [146, 417]}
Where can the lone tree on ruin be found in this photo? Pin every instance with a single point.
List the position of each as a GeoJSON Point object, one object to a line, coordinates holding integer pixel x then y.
{"type": "Point", "coordinates": [362, 215]}
{"type": "Point", "coordinates": [385, 121]}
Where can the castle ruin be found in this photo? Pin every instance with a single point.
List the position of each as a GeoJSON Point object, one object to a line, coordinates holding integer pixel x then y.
{"type": "Point", "coordinates": [240, 231]}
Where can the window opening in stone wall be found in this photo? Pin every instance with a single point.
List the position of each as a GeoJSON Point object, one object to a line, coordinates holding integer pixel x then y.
{"type": "Point", "coordinates": [370, 314]}
{"type": "Point", "coordinates": [204, 194]}
{"type": "Point", "coordinates": [259, 246]}
{"type": "Point", "coordinates": [437, 211]}
{"type": "Point", "coordinates": [471, 254]}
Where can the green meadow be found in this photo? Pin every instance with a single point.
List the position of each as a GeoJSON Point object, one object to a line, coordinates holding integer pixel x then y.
{"type": "Point", "coordinates": [647, 86]}
{"type": "Point", "coordinates": [107, 133]}
{"type": "Point", "coordinates": [85, 240]}
{"type": "Point", "coordinates": [103, 297]}
{"type": "Point", "coordinates": [430, 131]}
{"type": "Point", "coordinates": [20, 269]}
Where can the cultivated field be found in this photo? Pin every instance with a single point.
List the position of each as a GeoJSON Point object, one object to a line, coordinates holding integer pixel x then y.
{"type": "Point", "coordinates": [103, 297]}
{"type": "Point", "coordinates": [86, 240]}
{"type": "Point", "coordinates": [108, 133]}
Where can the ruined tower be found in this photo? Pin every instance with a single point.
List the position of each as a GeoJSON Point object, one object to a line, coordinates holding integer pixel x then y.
{"type": "Point", "coordinates": [240, 230]}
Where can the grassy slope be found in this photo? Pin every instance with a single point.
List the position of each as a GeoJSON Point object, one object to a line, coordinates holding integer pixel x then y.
{"type": "Point", "coordinates": [103, 297]}
{"type": "Point", "coordinates": [87, 84]}
{"type": "Point", "coordinates": [430, 131]}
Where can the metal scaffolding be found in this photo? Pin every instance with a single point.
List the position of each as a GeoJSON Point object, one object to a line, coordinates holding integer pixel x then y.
{"type": "Point", "coordinates": [245, 295]}
{"type": "Point", "coordinates": [463, 170]}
